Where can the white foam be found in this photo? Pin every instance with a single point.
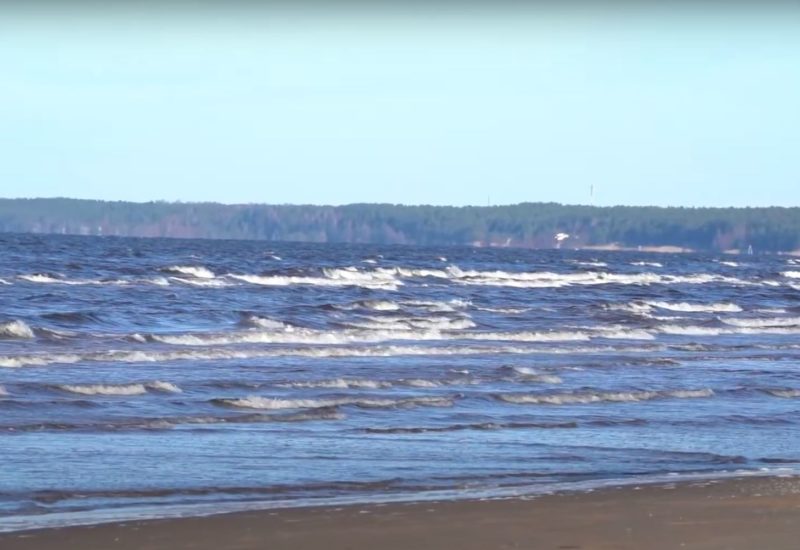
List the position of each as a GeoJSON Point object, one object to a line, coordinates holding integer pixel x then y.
{"type": "Point", "coordinates": [614, 397]}
{"type": "Point", "coordinates": [506, 310]}
{"type": "Point", "coordinates": [690, 330]}
{"type": "Point", "coordinates": [204, 282]}
{"type": "Point", "coordinates": [226, 353]}
{"type": "Point", "coordinates": [198, 272]}
{"type": "Point", "coordinates": [554, 336]}
{"type": "Point", "coordinates": [338, 383]}
{"type": "Point", "coordinates": [266, 324]}
{"type": "Point", "coordinates": [4, 282]}
{"type": "Point", "coordinates": [16, 329]}
{"type": "Point", "coordinates": [47, 279]}
{"type": "Point", "coordinates": [381, 305]}
{"type": "Point", "coordinates": [729, 264]}
{"type": "Point", "coordinates": [333, 277]}
{"type": "Point", "coordinates": [623, 333]}
{"type": "Point", "coordinates": [413, 323]}
{"type": "Point", "coordinates": [421, 383]}
{"type": "Point", "coordinates": [763, 322]}
{"type": "Point", "coordinates": [104, 389]}
{"type": "Point", "coordinates": [167, 387]}
{"type": "Point", "coordinates": [3, 392]}
{"type": "Point", "coordinates": [691, 308]}
{"type": "Point", "coordinates": [647, 264]}
{"type": "Point", "coordinates": [546, 279]}
{"type": "Point", "coordinates": [791, 274]}
{"type": "Point", "coordinates": [120, 389]}
{"type": "Point", "coordinates": [528, 374]}
{"type": "Point", "coordinates": [275, 403]}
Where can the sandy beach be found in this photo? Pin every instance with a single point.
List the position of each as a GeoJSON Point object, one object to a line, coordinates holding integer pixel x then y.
{"type": "Point", "coordinates": [754, 513]}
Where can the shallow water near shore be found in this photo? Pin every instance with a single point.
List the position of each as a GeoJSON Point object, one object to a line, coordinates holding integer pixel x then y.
{"type": "Point", "coordinates": [158, 374]}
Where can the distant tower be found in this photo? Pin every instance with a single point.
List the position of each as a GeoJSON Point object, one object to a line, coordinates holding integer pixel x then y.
{"type": "Point", "coordinates": [591, 194]}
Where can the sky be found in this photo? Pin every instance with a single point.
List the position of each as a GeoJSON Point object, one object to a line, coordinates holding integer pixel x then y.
{"type": "Point", "coordinates": [335, 104]}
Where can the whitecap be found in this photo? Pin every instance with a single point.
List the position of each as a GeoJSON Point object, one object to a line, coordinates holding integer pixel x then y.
{"type": "Point", "coordinates": [696, 308]}
{"type": "Point", "coordinates": [120, 389]}
{"type": "Point", "coordinates": [276, 403]}
{"type": "Point", "coordinates": [198, 272]}
{"type": "Point", "coordinates": [762, 322]}
{"type": "Point", "coordinates": [16, 329]}
{"type": "Point", "coordinates": [338, 383]}
{"type": "Point", "coordinates": [599, 397]}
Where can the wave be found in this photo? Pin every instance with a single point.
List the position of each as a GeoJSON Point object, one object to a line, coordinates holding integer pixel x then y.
{"type": "Point", "coordinates": [412, 323]}
{"type": "Point", "coordinates": [380, 305]}
{"type": "Point", "coordinates": [647, 264]}
{"type": "Point", "coordinates": [547, 279]}
{"type": "Point", "coordinates": [754, 328]}
{"type": "Point", "coordinates": [277, 403]}
{"type": "Point", "coordinates": [692, 308]}
{"type": "Point", "coordinates": [600, 397]}
{"type": "Point", "coordinates": [505, 310]}
{"type": "Point", "coordinates": [47, 278]}
{"type": "Point", "coordinates": [622, 333]}
{"type": "Point", "coordinates": [3, 391]}
{"type": "Point", "coordinates": [791, 274]}
{"type": "Point", "coordinates": [121, 389]}
{"type": "Point", "coordinates": [222, 354]}
{"type": "Point", "coordinates": [338, 383]}
{"type": "Point", "coordinates": [333, 277]}
{"type": "Point", "coordinates": [255, 321]}
{"type": "Point", "coordinates": [198, 272]}
{"type": "Point", "coordinates": [203, 282]}
{"type": "Point", "coordinates": [472, 426]}
{"type": "Point", "coordinates": [763, 322]}
{"type": "Point", "coordinates": [72, 317]}
{"type": "Point", "coordinates": [786, 394]}
{"type": "Point", "coordinates": [171, 422]}
{"type": "Point", "coordinates": [727, 263]}
{"type": "Point", "coordinates": [4, 282]}
{"type": "Point", "coordinates": [16, 329]}
{"type": "Point", "coordinates": [528, 374]}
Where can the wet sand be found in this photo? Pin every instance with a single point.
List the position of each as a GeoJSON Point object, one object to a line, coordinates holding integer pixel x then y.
{"type": "Point", "coordinates": [742, 514]}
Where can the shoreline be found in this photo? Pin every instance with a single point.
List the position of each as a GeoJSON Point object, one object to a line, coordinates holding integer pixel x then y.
{"type": "Point", "coordinates": [733, 513]}
{"type": "Point", "coordinates": [177, 511]}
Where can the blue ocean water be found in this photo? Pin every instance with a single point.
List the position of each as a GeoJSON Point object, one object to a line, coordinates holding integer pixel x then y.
{"type": "Point", "coordinates": [143, 376]}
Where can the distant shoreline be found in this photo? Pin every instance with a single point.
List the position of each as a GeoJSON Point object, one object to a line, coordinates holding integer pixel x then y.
{"type": "Point", "coordinates": [525, 225]}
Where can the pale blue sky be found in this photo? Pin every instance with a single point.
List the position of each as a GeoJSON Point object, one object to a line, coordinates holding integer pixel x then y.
{"type": "Point", "coordinates": [422, 106]}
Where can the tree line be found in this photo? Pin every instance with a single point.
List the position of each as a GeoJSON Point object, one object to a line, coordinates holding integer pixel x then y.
{"type": "Point", "coordinates": [533, 225]}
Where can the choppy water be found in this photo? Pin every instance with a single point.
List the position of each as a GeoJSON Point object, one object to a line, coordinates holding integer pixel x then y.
{"type": "Point", "coordinates": [145, 374]}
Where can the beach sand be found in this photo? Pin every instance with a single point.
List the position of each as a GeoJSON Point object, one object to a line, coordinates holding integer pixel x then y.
{"type": "Point", "coordinates": [749, 514]}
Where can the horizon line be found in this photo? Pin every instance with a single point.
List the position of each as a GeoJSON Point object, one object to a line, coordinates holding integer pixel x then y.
{"type": "Point", "coordinates": [407, 205]}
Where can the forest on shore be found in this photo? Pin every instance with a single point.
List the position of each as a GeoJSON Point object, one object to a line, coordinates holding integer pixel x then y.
{"type": "Point", "coordinates": [530, 225]}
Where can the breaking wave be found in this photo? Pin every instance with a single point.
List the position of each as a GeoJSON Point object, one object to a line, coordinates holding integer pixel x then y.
{"type": "Point", "coordinates": [198, 272]}
{"type": "Point", "coordinates": [691, 308]}
{"type": "Point", "coordinates": [16, 329]}
{"type": "Point", "coordinates": [599, 397]}
{"type": "Point", "coordinates": [273, 403]}
{"type": "Point", "coordinates": [121, 389]}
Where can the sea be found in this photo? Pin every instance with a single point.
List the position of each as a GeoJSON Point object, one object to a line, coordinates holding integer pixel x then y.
{"type": "Point", "coordinates": [146, 378]}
